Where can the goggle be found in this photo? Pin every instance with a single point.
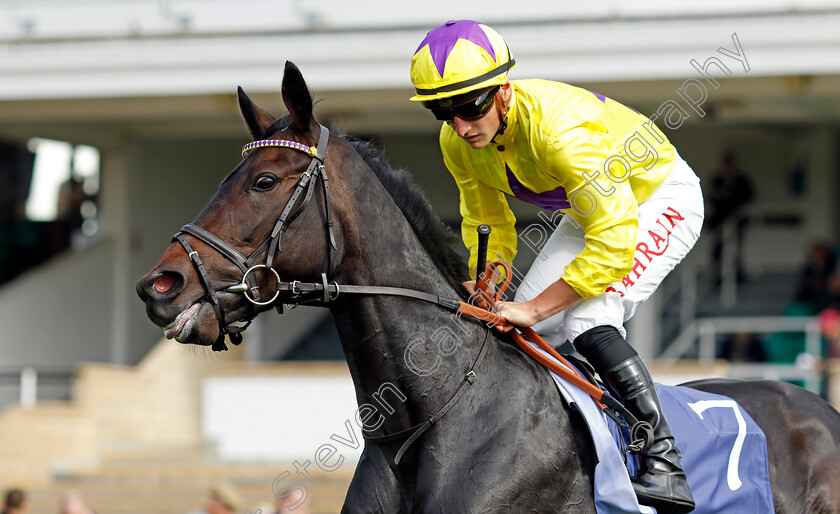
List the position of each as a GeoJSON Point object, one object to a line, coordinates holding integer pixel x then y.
{"type": "Point", "coordinates": [471, 110]}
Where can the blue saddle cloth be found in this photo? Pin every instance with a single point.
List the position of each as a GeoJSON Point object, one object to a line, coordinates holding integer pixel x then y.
{"type": "Point", "coordinates": [724, 452]}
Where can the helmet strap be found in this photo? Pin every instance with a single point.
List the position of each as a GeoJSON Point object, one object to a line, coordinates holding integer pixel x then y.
{"type": "Point", "coordinates": [504, 121]}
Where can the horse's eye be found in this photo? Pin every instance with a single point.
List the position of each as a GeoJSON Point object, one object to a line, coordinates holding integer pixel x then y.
{"type": "Point", "coordinates": [265, 183]}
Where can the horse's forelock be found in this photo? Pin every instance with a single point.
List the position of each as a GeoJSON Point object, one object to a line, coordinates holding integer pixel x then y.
{"type": "Point", "coordinates": [282, 124]}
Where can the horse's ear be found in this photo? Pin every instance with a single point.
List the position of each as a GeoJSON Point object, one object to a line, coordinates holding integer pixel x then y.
{"type": "Point", "coordinates": [297, 98]}
{"type": "Point", "coordinates": [258, 120]}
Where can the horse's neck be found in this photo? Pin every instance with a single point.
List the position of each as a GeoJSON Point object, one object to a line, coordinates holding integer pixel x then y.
{"type": "Point", "coordinates": [399, 344]}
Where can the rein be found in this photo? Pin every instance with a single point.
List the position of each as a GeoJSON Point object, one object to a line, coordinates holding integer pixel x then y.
{"type": "Point", "coordinates": [325, 291]}
{"type": "Point", "coordinates": [641, 434]}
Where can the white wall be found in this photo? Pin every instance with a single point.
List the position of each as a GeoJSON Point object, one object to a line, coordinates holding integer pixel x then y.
{"type": "Point", "coordinates": [273, 418]}
{"type": "Point", "coordinates": [59, 314]}
{"type": "Point", "coordinates": [90, 49]}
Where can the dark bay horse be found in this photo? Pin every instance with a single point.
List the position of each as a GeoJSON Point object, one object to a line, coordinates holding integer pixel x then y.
{"type": "Point", "coordinates": [509, 443]}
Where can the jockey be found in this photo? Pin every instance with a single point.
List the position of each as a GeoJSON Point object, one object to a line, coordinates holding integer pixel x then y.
{"type": "Point", "coordinates": [632, 209]}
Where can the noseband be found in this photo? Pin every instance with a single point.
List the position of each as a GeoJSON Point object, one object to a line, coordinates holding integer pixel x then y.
{"type": "Point", "coordinates": [297, 202]}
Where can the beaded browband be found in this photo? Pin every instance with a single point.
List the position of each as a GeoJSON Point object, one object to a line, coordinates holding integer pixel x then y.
{"type": "Point", "coordinates": [308, 150]}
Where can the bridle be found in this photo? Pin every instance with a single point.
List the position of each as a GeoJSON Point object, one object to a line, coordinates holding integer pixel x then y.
{"type": "Point", "coordinates": [323, 291]}
{"type": "Point", "coordinates": [301, 291]}
{"type": "Point", "coordinates": [247, 265]}
{"type": "Point", "coordinates": [326, 291]}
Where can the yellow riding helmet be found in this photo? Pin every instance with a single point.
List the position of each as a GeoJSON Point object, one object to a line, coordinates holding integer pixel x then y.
{"type": "Point", "coordinates": [456, 58]}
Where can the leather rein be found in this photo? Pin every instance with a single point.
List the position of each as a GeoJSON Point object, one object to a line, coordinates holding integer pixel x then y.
{"type": "Point", "coordinates": [326, 291]}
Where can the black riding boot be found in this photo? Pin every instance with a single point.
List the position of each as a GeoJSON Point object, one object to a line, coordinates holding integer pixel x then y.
{"type": "Point", "coordinates": [660, 482]}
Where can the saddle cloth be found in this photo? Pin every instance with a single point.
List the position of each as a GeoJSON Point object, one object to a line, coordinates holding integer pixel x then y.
{"type": "Point", "coordinates": [724, 453]}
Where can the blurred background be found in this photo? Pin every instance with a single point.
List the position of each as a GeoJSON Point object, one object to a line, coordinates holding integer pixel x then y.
{"type": "Point", "coordinates": [119, 118]}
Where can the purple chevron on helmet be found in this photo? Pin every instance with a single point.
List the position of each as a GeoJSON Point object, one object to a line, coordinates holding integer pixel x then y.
{"type": "Point", "coordinates": [457, 58]}
{"type": "Point", "coordinates": [442, 39]}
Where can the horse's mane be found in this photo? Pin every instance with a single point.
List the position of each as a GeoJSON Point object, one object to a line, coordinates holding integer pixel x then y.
{"type": "Point", "coordinates": [436, 237]}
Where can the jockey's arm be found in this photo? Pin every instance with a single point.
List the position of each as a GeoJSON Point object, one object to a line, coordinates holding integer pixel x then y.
{"type": "Point", "coordinates": [555, 298]}
{"type": "Point", "coordinates": [610, 224]}
{"type": "Point", "coordinates": [481, 204]}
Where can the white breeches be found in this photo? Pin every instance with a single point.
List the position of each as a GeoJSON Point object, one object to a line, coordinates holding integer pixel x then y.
{"type": "Point", "coordinates": [669, 225]}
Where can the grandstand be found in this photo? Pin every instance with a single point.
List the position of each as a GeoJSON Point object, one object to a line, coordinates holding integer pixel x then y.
{"type": "Point", "coordinates": [139, 98]}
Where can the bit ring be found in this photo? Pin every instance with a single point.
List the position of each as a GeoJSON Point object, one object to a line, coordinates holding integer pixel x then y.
{"type": "Point", "coordinates": [245, 293]}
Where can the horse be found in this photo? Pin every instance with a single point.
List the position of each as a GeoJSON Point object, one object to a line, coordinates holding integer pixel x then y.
{"type": "Point", "coordinates": [326, 213]}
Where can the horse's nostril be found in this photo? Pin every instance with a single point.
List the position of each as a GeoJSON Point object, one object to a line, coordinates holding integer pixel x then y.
{"type": "Point", "coordinates": [160, 285]}
{"type": "Point", "coordinates": [164, 282]}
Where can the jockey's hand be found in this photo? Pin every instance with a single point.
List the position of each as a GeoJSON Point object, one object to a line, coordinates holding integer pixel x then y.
{"type": "Point", "coordinates": [470, 285]}
{"type": "Point", "coordinates": [520, 314]}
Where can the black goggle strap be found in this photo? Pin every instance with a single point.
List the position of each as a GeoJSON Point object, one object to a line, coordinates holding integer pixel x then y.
{"type": "Point", "coordinates": [503, 68]}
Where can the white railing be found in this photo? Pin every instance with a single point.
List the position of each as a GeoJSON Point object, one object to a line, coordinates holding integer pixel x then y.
{"type": "Point", "coordinates": [730, 259]}
{"type": "Point", "coordinates": [701, 334]}
{"type": "Point", "coordinates": [757, 246]}
{"type": "Point", "coordinates": [27, 386]}
{"type": "Point", "coordinates": [697, 278]}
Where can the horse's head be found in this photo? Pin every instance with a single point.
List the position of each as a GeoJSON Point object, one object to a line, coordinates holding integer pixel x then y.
{"type": "Point", "coordinates": [220, 269]}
